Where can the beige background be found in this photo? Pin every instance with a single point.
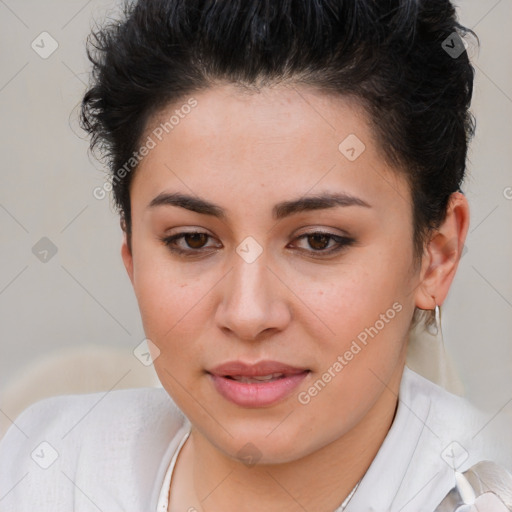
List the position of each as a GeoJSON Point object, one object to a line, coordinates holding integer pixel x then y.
{"type": "Point", "coordinates": [81, 297]}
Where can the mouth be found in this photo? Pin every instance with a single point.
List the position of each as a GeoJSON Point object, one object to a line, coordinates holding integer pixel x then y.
{"type": "Point", "coordinates": [256, 385]}
{"type": "Point", "coordinates": [260, 379]}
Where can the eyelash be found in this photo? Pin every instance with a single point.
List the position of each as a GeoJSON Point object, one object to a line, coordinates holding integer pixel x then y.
{"type": "Point", "coordinates": [342, 241]}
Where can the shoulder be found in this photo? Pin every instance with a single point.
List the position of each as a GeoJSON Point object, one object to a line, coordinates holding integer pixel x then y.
{"type": "Point", "coordinates": [95, 442]}
{"type": "Point", "coordinates": [85, 417]}
{"type": "Point", "coordinates": [452, 418]}
{"type": "Point", "coordinates": [457, 437]}
{"type": "Point", "coordinates": [434, 435]}
{"type": "Point", "coordinates": [135, 402]}
{"type": "Point", "coordinates": [444, 406]}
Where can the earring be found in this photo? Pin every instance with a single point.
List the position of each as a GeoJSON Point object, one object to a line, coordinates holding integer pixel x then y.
{"type": "Point", "coordinates": [437, 330]}
{"type": "Point", "coordinates": [427, 355]}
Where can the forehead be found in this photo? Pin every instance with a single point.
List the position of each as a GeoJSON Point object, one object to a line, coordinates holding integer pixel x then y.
{"type": "Point", "coordinates": [281, 140]}
{"type": "Point", "coordinates": [282, 115]}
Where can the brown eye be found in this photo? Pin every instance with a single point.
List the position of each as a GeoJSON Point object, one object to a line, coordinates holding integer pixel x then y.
{"type": "Point", "coordinates": [189, 243]}
{"type": "Point", "coordinates": [318, 241]}
{"type": "Point", "coordinates": [195, 240]}
{"type": "Point", "coordinates": [323, 244]}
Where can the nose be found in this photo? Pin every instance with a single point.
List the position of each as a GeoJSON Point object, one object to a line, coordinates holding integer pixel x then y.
{"type": "Point", "coordinates": [254, 301]}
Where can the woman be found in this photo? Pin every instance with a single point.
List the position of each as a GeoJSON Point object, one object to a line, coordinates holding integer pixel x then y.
{"type": "Point", "coordinates": [288, 176]}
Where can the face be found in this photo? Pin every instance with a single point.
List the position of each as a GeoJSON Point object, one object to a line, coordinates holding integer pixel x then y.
{"type": "Point", "coordinates": [294, 250]}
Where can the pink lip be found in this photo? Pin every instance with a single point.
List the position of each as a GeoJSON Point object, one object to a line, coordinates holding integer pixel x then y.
{"type": "Point", "coordinates": [256, 394]}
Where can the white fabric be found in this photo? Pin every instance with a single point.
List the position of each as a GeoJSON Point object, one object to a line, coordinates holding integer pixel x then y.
{"type": "Point", "coordinates": [163, 498]}
{"type": "Point", "coordinates": [115, 450]}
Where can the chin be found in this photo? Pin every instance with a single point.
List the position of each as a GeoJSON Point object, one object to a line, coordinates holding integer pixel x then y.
{"type": "Point", "coordinates": [256, 446]}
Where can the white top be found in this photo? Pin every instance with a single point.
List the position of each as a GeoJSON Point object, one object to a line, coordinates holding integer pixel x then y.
{"type": "Point", "coordinates": [163, 498]}
{"type": "Point", "coordinates": [116, 451]}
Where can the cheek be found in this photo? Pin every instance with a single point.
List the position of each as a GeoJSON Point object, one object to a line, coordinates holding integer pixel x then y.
{"type": "Point", "coordinates": [167, 308]}
{"type": "Point", "coordinates": [167, 299]}
{"type": "Point", "coordinates": [368, 311]}
{"type": "Point", "coordinates": [356, 296]}
{"type": "Point", "coordinates": [171, 315]}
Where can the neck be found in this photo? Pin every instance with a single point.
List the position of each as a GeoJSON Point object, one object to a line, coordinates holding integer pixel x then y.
{"type": "Point", "coordinates": [320, 481]}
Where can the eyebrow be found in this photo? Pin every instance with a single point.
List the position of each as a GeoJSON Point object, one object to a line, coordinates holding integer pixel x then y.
{"type": "Point", "coordinates": [279, 211]}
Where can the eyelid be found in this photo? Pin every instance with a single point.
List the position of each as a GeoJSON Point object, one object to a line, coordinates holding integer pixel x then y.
{"type": "Point", "coordinates": [311, 230]}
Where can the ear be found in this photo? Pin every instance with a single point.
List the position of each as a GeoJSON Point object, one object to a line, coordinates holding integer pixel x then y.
{"type": "Point", "coordinates": [126, 253]}
{"type": "Point", "coordinates": [442, 254]}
